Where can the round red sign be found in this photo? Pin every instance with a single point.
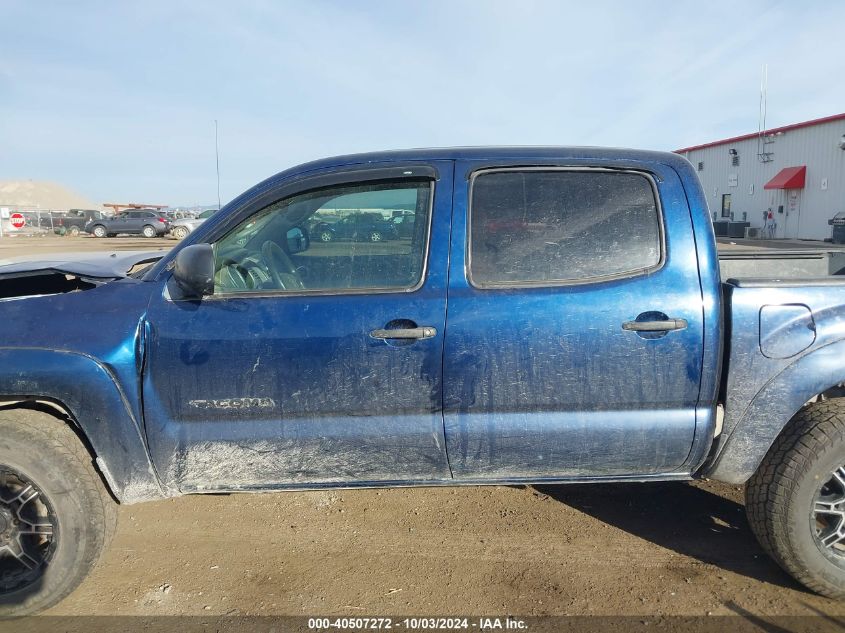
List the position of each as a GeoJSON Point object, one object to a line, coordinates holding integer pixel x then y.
{"type": "Point", "coordinates": [17, 220]}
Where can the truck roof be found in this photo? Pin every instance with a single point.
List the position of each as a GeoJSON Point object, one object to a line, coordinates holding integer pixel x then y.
{"type": "Point", "coordinates": [492, 152]}
{"type": "Point", "coordinates": [505, 153]}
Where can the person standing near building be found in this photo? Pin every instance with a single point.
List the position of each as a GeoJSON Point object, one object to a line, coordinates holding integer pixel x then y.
{"type": "Point", "coordinates": [769, 224]}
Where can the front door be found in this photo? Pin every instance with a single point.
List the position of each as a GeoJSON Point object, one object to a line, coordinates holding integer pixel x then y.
{"type": "Point", "coordinates": [314, 362]}
{"type": "Point", "coordinates": [574, 337]}
{"type": "Point", "coordinates": [792, 203]}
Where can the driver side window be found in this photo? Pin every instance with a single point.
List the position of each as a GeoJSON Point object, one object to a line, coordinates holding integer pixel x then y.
{"type": "Point", "coordinates": [336, 239]}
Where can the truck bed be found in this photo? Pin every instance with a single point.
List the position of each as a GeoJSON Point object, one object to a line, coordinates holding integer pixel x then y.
{"type": "Point", "coordinates": [781, 264]}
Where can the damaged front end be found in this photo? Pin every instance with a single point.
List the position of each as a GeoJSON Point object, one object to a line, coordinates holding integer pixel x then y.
{"type": "Point", "coordinates": [20, 279]}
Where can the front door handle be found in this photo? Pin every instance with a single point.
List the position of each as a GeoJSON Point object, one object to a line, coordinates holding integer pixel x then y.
{"type": "Point", "coordinates": [666, 325]}
{"type": "Point", "coordinates": [406, 333]}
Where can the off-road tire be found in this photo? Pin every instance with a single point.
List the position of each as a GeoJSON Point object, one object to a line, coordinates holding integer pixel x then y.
{"type": "Point", "coordinates": [779, 498]}
{"type": "Point", "coordinates": [48, 453]}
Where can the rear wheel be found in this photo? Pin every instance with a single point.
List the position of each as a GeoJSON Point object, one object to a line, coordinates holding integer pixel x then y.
{"type": "Point", "coordinates": [149, 231]}
{"type": "Point", "coordinates": [73, 231]}
{"type": "Point", "coordinates": [326, 236]}
{"type": "Point", "coordinates": [100, 231]}
{"type": "Point", "coordinates": [55, 514]}
{"type": "Point", "coordinates": [796, 499]}
{"type": "Point", "coordinates": [375, 236]}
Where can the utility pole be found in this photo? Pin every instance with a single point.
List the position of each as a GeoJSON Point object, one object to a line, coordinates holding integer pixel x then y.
{"type": "Point", "coordinates": [217, 161]}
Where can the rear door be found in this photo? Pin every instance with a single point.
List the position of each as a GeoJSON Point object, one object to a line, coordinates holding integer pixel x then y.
{"type": "Point", "coordinates": [314, 362]}
{"type": "Point", "coordinates": [574, 337]}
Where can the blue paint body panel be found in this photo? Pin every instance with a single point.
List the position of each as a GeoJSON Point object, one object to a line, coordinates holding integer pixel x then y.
{"type": "Point", "coordinates": [517, 385]}
{"type": "Point", "coordinates": [544, 381]}
{"type": "Point", "coordinates": [348, 406]}
{"type": "Point", "coordinates": [772, 373]}
{"type": "Point", "coordinates": [84, 350]}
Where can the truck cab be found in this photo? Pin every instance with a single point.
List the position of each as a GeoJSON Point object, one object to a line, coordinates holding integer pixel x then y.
{"type": "Point", "coordinates": [573, 345]}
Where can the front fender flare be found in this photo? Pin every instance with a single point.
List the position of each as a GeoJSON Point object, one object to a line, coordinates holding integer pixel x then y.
{"type": "Point", "coordinates": [90, 393]}
{"type": "Point", "coordinates": [772, 408]}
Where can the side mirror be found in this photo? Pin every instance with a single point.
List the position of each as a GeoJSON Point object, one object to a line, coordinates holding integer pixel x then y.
{"type": "Point", "coordinates": [298, 240]}
{"type": "Point", "coordinates": [194, 271]}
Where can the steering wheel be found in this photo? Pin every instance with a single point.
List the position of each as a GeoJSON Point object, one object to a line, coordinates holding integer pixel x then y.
{"type": "Point", "coordinates": [280, 267]}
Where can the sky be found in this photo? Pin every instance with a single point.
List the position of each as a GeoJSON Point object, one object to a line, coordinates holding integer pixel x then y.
{"type": "Point", "coordinates": [117, 100]}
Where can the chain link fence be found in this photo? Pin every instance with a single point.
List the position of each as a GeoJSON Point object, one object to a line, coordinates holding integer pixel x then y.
{"type": "Point", "coordinates": [41, 222]}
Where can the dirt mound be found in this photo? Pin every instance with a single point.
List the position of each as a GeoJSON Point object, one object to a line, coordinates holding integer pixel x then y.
{"type": "Point", "coordinates": [34, 194]}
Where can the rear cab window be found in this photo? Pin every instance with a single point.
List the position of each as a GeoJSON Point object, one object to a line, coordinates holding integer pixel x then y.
{"type": "Point", "coordinates": [560, 226]}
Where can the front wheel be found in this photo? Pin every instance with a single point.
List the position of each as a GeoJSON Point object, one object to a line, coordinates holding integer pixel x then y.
{"type": "Point", "coordinates": [179, 232]}
{"type": "Point", "coordinates": [796, 499]}
{"type": "Point", "coordinates": [326, 236]}
{"type": "Point", "coordinates": [149, 231]}
{"type": "Point", "coordinates": [55, 515]}
{"type": "Point", "coordinates": [376, 236]}
{"type": "Point", "coordinates": [99, 231]}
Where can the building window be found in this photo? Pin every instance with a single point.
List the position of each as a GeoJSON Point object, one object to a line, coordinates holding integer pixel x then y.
{"type": "Point", "coordinates": [735, 161]}
{"type": "Point", "coordinates": [701, 165]}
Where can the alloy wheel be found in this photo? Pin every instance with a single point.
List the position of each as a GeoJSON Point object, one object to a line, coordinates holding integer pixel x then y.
{"type": "Point", "coordinates": [28, 531]}
{"type": "Point", "coordinates": [828, 514]}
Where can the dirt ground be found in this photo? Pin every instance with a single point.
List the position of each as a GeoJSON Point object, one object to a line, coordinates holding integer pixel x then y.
{"type": "Point", "coordinates": [633, 549]}
{"type": "Point", "coordinates": [35, 247]}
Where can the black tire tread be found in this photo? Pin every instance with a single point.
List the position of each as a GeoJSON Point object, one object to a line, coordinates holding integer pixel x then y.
{"type": "Point", "coordinates": [54, 434]}
{"type": "Point", "coordinates": [769, 490]}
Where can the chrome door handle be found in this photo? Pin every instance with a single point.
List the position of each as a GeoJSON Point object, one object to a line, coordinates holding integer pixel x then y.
{"type": "Point", "coordinates": [655, 326]}
{"type": "Point", "coordinates": [406, 333]}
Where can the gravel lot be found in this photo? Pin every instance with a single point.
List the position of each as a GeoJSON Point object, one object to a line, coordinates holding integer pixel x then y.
{"type": "Point", "coordinates": [659, 549]}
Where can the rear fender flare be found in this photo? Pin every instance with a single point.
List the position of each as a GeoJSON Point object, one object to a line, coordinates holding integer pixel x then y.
{"type": "Point", "coordinates": [772, 408]}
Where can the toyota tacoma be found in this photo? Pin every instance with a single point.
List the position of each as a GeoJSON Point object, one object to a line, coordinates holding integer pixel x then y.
{"type": "Point", "coordinates": [591, 340]}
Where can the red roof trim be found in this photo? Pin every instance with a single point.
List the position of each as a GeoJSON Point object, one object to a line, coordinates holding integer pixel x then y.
{"type": "Point", "coordinates": [788, 178]}
{"type": "Point", "coordinates": [774, 130]}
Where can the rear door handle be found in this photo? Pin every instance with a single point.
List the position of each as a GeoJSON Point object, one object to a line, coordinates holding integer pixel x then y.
{"type": "Point", "coordinates": [666, 325]}
{"type": "Point", "coordinates": [406, 333]}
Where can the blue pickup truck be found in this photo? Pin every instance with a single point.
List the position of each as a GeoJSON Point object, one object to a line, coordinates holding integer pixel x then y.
{"type": "Point", "coordinates": [556, 315]}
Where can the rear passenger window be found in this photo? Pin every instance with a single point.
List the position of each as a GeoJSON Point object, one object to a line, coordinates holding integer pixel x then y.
{"type": "Point", "coordinates": [546, 227]}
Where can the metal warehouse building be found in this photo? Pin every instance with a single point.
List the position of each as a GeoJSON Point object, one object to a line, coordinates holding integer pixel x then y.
{"type": "Point", "coordinates": [786, 182]}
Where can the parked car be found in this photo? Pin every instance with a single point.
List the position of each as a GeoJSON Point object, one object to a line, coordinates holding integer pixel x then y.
{"type": "Point", "coordinates": [404, 225]}
{"type": "Point", "coordinates": [180, 229]}
{"type": "Point", "coordinates": [369, 227]}
{"type": "Point", "coordinates": [71, 223]}
{"type": "Point", "coordinates": [146, 222]}
{"type": "Point", "coordinates": [602, 348]}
